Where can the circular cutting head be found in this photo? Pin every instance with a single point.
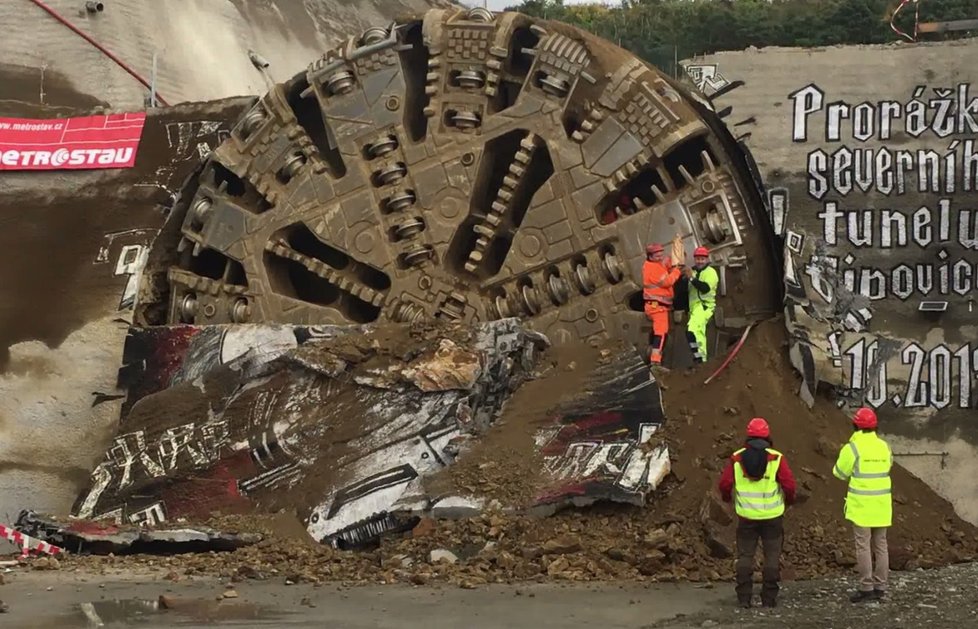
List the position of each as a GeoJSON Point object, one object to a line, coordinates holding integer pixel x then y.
{"type": "Point", "coordinates": [465, 166]}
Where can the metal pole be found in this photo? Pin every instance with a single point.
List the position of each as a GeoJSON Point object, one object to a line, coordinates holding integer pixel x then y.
{"type": "Point", "coordinates": [152, 84]}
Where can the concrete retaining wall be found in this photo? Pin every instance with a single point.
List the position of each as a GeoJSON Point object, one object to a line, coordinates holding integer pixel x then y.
{"type": "Point", "coordinates": [201, 45]}
{"type": "Point", "coordinates": [70, 240]}
{"type": "Point", "coordinates": [65, 234]}
{"type": "Point", "coordinates": [870, 159]}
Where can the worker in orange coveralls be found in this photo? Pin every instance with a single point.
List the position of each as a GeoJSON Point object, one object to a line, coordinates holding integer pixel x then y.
{"type": "Point", "coordinates": [659, 278]}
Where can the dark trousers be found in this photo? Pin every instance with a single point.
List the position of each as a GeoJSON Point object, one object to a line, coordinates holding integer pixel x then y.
{"type": "Point", "coordinates": [771, 534]}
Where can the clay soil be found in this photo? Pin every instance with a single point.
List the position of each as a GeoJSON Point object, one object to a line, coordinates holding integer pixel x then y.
{"type": "Point", "coordinates": [684, 534]}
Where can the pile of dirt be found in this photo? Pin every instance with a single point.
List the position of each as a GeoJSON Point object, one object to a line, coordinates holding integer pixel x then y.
{"type": "Point", "coordinates": [686, 534]}
{"type": "Point", "coordinates": [504, 465]}
{"type": "Point", "coordinates": [706, 423]}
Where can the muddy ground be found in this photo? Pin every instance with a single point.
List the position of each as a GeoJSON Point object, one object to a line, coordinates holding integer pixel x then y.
{"type": "Point", "coordinates": [938, 599]}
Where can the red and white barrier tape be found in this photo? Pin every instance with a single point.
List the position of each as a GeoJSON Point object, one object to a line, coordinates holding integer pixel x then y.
{"type": "Point", "coordinates": [916, 20]}
{"type": "Point", "coordinates": [27, 543]}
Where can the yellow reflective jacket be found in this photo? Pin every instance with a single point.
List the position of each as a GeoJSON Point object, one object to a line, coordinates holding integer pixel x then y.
{"type": "Point", "coordinates": [865, 462]}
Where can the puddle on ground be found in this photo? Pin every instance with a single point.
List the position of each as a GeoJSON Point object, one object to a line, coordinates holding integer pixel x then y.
{"type": "Point", "coordinates": [169, 611]}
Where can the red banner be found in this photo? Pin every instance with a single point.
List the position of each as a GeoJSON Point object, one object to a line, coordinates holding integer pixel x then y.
{"type": "Point", "coordinates": [70, 143]}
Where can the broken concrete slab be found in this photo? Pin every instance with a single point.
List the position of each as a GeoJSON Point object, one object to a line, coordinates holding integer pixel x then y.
{"type": "Point", "coordinates": [601, 445]}
{"type": "Point", "coordinates": [337, 422]}
{"type": "Point", "coordinates": [102, 538]}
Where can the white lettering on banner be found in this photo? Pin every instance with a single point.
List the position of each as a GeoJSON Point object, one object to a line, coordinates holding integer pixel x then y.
{"type": "Point", "coordinates": [877, 243]}
{"type": "Point", "coordinates": [65, 157]}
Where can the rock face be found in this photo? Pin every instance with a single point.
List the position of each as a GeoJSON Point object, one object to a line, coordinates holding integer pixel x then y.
{"type": "Point", "coordinates": [60, 333]}
{"type": "Point", "coordinates": [203, 48]}
{"type": "Point", "coordinates": [341, 424]}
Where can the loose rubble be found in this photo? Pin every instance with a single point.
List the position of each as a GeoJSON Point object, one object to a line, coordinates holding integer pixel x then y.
{"type": "Point", "coordinates": [684, 534]}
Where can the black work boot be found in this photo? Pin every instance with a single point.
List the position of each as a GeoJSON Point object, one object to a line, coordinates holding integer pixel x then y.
{"type": "Point", "coordinates": [862, 596]}
{"type": "Point", "coordinates": [743, 601]}
{"type": "Point", "coordinates": [879, 594]}
{"type": "Point", "coordinates": [769, 602]}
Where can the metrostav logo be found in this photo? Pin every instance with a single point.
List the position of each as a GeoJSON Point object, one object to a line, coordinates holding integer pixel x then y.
{"type": "Point", "coordinates": [65, 157]}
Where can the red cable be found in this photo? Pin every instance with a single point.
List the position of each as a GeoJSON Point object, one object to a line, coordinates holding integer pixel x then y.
{"type": "Point", "coordinates": [100, 47]}
{"type": "Point", "coordinates": [733, 353]}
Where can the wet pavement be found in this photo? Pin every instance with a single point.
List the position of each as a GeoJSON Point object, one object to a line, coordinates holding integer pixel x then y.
{"type": "Point", "coordinates": [936, 599]}
{"type": "Point", "coordinates": [135, 602]}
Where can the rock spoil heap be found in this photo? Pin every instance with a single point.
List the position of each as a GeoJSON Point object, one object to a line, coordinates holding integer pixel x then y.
{"type": "Point", "coordinates": [684, 534]}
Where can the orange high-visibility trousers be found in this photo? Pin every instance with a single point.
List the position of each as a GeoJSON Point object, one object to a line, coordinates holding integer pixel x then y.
{"type": "Point", "coordinates": [659, 316]}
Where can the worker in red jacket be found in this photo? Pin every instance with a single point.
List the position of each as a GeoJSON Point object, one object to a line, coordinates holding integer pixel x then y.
{"type": "Point", "coordinates": [759, 481]}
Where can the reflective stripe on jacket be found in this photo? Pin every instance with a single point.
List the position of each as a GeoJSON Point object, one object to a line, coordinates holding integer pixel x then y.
{"type": "Point", "coordinates": [658, 281]}
{"type": "Point", "coordinates": [709, 276]}
{"type": "Point", "coordinates": [865, 462]}
{"type": "Point", "coordinates": [760, 499]}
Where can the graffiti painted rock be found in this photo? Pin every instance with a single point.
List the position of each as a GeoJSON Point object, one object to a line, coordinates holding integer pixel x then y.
{"type": "Point", "coordinates": [601, 444]}
{"type": "Point", "coordinates": [341, 423]}
{"type": "Point", "coordinates": [79, 535]}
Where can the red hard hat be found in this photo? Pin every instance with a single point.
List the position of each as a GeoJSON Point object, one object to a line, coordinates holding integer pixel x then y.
{"type": "Point", "coordinates": [758, 427]}
{"type": "Point", "coordinates": [654, 248]}
{"type": "Point", "coordinates": [701, 252]}
{"type": "Point", "coordinates": [864, 418]}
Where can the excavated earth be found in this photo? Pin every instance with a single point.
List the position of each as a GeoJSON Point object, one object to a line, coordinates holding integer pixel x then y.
{"type": "Point", "coordinates": [684, 534]}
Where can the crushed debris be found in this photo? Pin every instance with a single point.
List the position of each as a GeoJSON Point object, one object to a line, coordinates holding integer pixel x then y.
{"type": "Point", "coordinates": [684, 533]}
{"type": "Point", "coordinates": [341, 423]}
{"type": "Point", "coordinates": [102, 538]}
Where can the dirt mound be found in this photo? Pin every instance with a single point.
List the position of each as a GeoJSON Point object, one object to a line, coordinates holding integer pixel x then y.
{"type": "Point", "coordinates": [684, 535]}
{"type": "Point", "coordinates": [706, 423]}
{"type": "Point", "coordinates": [504, 465]}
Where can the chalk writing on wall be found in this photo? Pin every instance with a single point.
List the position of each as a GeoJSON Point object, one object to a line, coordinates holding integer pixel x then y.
{"type": "Point", "coordinates": [894, 184]}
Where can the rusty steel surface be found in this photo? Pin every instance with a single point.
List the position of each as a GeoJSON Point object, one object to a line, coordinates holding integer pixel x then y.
{"type": "Point", "coordinates": [467, 166]}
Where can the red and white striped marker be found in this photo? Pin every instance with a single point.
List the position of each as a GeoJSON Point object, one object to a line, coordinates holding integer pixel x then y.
{"type": "Point", "coordinates": [25, 542]}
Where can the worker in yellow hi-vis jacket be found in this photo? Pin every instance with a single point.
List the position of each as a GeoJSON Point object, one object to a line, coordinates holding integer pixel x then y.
{"type": "Point", "coordinates": [865, 462]}
{"type": "Point", "coordinates": [703, 282]}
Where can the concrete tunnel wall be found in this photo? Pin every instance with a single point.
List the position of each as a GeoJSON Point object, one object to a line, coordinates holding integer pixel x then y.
{"type": "Point", "coordinates": [65, 287]}
{"type": "Point", "coordinates": [869, 156]}
{"type": "Point", "coordinates": [73, 243]}
{"type": "Point", "coordinates": [202, 46]}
